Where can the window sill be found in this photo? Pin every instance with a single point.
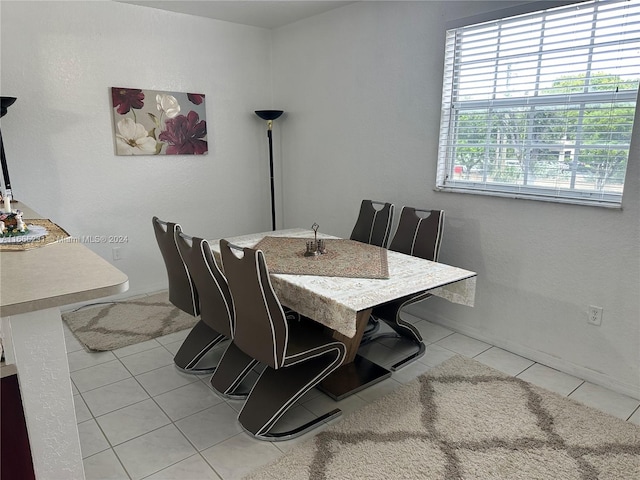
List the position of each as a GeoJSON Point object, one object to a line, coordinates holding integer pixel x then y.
{"type": "Point", "coordinates": [535, 197]}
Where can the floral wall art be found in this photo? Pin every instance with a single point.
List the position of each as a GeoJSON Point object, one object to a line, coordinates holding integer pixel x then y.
{"type": "Point", "coordinates": [150, 122]}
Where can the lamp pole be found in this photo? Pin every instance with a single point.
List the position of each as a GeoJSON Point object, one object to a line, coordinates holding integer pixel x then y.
{"type": "Point", "coordinates": [273, 205]}
{"type": "Point", "coordinates": [5, 103]}
{"type": "Point", "coordinates": [270, 116]}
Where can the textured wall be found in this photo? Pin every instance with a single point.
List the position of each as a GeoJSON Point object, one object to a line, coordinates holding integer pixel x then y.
{"type": "Point", "coordinates": [362, 85]}
{"type": "Point", "coordinates": [61, 58]}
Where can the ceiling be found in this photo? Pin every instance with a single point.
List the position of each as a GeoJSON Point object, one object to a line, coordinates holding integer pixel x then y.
{"type": "Point", "coordinates": [258, 13]}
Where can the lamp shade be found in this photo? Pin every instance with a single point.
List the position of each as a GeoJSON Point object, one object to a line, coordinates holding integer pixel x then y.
{"type": "Point", "coordinates": [6, 102]}
{"type": "Point", "coordinates": [269, 114]}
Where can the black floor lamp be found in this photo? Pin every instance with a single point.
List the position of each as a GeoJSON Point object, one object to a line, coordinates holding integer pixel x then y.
{"type": "Point", "coordinates": [270, 116]}
{"type": "Point", "coordinates": [5, 102]}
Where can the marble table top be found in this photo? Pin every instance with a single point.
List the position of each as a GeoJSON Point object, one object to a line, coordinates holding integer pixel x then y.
{"type": "Point", "coordinates": [335, 301]}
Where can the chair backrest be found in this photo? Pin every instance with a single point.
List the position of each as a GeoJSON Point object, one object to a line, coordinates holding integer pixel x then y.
{"type": "Point", "coordinates": [182, 291]}
{"type": "Point", "coordinates": [216, 304]}
{"type": "Point", "coordinates": [419, 236]}
{"type": "Point", "coordinates": [261, 329]}
{"type": "Point", "coordinates": [373, 225]}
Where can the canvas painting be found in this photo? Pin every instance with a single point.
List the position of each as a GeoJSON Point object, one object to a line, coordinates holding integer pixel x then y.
{"type": "Point", "coordinates": [151, 122]}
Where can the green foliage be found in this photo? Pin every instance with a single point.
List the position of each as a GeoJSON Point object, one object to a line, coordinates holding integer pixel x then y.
{"type": "Point", "coordinates": [537, 137]}
{"type": "Point", "coordinates": [597, 82]}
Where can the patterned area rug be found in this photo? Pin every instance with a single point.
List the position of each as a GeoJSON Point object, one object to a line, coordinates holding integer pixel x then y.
{"type": "Point", "coordinates": [463, 420]}
{"type": "Point", "coordinates": [115, 325]}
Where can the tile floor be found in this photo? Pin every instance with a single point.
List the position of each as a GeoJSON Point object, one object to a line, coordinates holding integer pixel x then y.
{"type": "Point", "coordinates": [138, 417]}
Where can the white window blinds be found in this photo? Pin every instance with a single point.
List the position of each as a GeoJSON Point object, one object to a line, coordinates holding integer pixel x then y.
{"type": "Point", "coordinates": [541, 105]}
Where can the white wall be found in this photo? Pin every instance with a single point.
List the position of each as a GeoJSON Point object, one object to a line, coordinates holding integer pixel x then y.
{"type": "Point", "coordinates": [60, 60]}
{"type": "Point", "coordinates": [362, 88]}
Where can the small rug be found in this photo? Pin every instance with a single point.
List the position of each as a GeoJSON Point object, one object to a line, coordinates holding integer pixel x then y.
{"type": "Point", "coordinates": [343, 258]}
{"type": "Point", "coordinates": [464, 420]}
{"type": "Point", "coordinates": [118, 324]}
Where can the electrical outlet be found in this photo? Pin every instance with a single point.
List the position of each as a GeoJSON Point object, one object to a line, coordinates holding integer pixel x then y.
{"type": "Point", "coordinates": [117, 255]}
{"type": "Point", "coordinates": [595, 315]}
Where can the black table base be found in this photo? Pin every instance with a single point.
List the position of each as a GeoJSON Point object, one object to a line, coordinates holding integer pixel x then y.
{"type": "Point", "coordinates": [353, 377]}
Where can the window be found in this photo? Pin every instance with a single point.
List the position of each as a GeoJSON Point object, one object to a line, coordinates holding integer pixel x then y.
{"type": "Point", "coordinates": [541, 105]}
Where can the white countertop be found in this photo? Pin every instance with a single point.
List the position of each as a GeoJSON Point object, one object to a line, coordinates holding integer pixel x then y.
{"type": "Point", "coordinates": [54, 275]}
{"type": "Point", "coordinates": [34, 284]}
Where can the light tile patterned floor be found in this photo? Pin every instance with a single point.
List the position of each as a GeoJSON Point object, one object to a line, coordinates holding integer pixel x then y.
{"type": "Point", "coordinates": [139, 417]}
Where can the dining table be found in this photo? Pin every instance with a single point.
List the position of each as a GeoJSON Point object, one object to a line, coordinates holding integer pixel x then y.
{"type": "Point", "coordinates": [339, 289]}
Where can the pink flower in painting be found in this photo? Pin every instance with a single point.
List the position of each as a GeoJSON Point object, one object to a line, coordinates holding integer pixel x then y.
{"type": "Point", "coordinates": [126, 99]}
{"type": "Point", "coordinates": [195, 98]}
{"type": "Point", "coordinates": [184, 135]}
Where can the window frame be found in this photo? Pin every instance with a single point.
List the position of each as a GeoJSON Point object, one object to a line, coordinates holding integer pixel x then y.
{"type": "Point", "coordinates": [445, 178]}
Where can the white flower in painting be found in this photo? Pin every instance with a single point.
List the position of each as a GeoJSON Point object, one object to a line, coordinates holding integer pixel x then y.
{"type": "Point", "coordinates": [168, 104]}
{"type": "Point", "coordinates": [133, 139]}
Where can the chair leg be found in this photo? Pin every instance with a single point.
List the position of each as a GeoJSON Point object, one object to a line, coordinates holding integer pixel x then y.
{"type": "Point", "coordinates": [371, 329]}
{"type": "Point", "coordinates": [198, 343]}
{"type": "Point", "coordinates": [234, 366]}
{"type": "Point", "coordinates": [411, 358]}
{"type": "Point", "coordinates": [277, 390]}
{"type": "Point", "coordinates": [404, 331]}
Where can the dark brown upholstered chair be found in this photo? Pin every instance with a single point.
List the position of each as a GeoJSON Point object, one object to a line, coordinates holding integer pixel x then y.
{"type": "Point", "coordinates": [419, 236]}
{"type": "Point", "coordinates": [216, 303]}
{"type": "Point", "coordinates": [297, 355]}
{"type": "Point", "coordinates": [373, 225]}
{"type": "Point", "coordinates": [192, 356]}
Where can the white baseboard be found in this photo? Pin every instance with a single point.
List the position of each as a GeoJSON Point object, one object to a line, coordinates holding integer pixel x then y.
{"type": "Point", "coordinates": [534, 355]}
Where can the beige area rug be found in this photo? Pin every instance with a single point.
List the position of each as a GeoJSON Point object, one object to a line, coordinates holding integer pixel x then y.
{"type": "Point", "coordinates": [115, 325]}
{"type": "Point", "coordinates": [463, 420]}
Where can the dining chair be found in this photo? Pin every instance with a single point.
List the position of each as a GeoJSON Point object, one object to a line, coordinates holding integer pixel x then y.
{"type": "Point", "coordinates": [418, 236]}
{"type": "Point", "coordinates": [216, 303]}
{"type": "Point", "coordinates": [297, 355]}
{"type": "Point", "coordinates": [373, 225]}
{"type": "Point", "coordinates": [192, 356]}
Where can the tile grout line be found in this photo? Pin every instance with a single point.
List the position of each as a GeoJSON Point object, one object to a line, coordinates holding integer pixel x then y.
{"type": "Point", "coordinates": [637, 409]}
{"type": "Point", "coordinates": [582, 382]}
{"type": "Point", "coordinates": [198, 452]}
